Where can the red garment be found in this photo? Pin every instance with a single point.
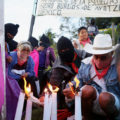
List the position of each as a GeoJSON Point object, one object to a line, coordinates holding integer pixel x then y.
{"type": "Point", "coordinates": [75, 68]}
{"type": "Point", "coordinates": [63, 114]}
{"type": "Point", "coordinates": [84, 42]}
{"type": "Point", "coordinates": [21, 62]}
{"type": "Point", "coordinates": [103, 73]}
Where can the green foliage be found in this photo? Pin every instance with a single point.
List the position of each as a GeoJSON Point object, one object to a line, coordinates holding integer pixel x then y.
{"type": "Point", "coordinates": [54, 46]}
{"type": "Point", "coordinates": [103, 23]}
{"type": "Point", "coordinates": [108, 31]}
{"type": "Point", "coordinates": [106, 22]}
{"type": "Point", "coordinates": [70, 25]}
{"type": "Point", "coordinates": [117, 32]}
{"type": "Point", "coordinates": [51, 37]}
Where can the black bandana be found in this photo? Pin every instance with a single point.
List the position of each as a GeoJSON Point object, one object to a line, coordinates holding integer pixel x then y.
{"type": "Point", "coordinates": [65, 49]}
{"type": "Point", "coordinates": [67, 56]}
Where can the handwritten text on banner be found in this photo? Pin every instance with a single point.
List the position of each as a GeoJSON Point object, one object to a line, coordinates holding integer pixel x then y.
{"type": "Point", "coordinates": [79, 8]}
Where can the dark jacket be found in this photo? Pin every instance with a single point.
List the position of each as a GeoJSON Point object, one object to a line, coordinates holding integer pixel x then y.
{"type": "Point", "coordinates": [66, 72]}
{"type": "Point", "coordinates": [62, 74]}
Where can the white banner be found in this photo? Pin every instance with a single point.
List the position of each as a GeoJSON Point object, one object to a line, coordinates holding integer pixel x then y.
{"type": "Point", "coordinates": [79, 8]}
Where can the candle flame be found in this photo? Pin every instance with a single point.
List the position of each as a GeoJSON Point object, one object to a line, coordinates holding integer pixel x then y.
{"type": "Point", "coordinates": [51, 88]}
{"type": "Point", "coordinates": [77, 82]}
{"type": "Point", "coordinates": [71, 87]}
{"type": "Point", "coordinates": [27, 89]}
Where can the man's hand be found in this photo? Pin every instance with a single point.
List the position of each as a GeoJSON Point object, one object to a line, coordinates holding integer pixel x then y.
{"type": "Point", "coordinates": [68, 93]}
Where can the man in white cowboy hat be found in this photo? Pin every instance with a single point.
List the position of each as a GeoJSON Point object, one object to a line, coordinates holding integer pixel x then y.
{"type": "Point", "coordinates": [98, 81]}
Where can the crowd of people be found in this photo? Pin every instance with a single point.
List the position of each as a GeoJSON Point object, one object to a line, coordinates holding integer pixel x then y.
{"type": "Point", "coordinates": [92, 59]}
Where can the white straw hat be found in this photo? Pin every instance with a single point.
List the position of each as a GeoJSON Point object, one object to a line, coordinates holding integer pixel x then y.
{"type": "Point", "coordinates": [102, 44]}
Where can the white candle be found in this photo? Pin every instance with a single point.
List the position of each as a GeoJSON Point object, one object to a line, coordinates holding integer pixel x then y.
{"type": "Point", "coordinates": [54, 106]}
{"type": "Point", "coordinates": [29, 108]}
{"type": "Point", "coordinates": [78, 114]}
{"type": "Point", "coordinates": [45, 116]}
{"type": "Point", "coordinates": [47, 106]}
{"type": "Point", "coordinates": [20, 104]}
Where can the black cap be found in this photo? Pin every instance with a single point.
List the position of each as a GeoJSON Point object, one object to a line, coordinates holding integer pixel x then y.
{"type": "Point", "coordinates": [11, 28]}
{"type": "Point", "coordinates": [64, 43]}
{"type": "Point", "coordinates": [44, 41]}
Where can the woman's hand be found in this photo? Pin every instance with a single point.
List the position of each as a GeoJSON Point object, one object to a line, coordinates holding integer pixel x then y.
{"type": "Point", "coordinates": [24, 75]}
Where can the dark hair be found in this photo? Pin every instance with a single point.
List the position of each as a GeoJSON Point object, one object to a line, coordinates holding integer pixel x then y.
{"type": "Point", "coordinates": [117, 55]}
{"type": "Point", "coordinates": [81, 28]}
{"type": "Point", "coordinates": [33, 41]}
{"type": "Point", "coordinates": [92, 21]}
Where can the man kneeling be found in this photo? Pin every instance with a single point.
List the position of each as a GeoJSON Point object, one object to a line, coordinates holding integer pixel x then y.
{"type": "Point", "coordinates": [98, 81]}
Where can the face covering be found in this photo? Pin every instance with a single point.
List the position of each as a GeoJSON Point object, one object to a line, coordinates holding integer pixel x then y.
{"type": "Point", "coordinates": [67, 56]}
{"type": "Point", "coordinates": [7, 39]}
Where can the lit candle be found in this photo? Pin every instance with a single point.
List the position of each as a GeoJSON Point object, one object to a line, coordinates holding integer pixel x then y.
{"type": "Point", "coordinates": [54, 106]}
{"type": "Point", "coordinates": [50, 104]}
{"type": "Point", "coordinates": [76, 91]}
{"type": "Point", "coordinates": [47, 106]}
{"type": "Point", "coordinates": [20, 104]}
{"type": "Point", "coordinates": [78, 115]}
{"type": "Point", "coordinates": [29, 108]}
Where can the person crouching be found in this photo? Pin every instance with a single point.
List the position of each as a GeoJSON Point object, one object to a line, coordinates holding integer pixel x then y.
{"type": "Point", "coordinates": [22, 66]}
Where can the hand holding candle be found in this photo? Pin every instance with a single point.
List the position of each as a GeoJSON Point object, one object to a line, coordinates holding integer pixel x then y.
{"type": "Point", "coordinates": [78, 114]}
{"type": "Point", "coordinates": [30, 99]}
{"type": "Point", "coordinates": [76, 91]}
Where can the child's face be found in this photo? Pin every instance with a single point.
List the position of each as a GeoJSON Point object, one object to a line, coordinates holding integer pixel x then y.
{"type": "Point", "coordinates": [24, 53]}
{"type": "Point", "coordinates": [83, 35]}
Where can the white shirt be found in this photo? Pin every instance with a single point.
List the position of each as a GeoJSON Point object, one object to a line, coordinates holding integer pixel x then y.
{"type": "Point", "coordinates": [100, 82]}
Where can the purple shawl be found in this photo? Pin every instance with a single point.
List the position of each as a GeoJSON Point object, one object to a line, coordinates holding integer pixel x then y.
{"type": "Point", "coordinates": [12, 95]}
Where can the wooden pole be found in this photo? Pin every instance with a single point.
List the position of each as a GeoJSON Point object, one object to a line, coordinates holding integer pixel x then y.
{"type": "Point", "coordinates": [33, 18]}
{"type": "Point", "coordinates": [113, 34]}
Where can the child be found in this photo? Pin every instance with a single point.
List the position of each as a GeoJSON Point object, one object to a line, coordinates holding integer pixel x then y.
{"type": "Point", "coordinates": [83, 38]}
